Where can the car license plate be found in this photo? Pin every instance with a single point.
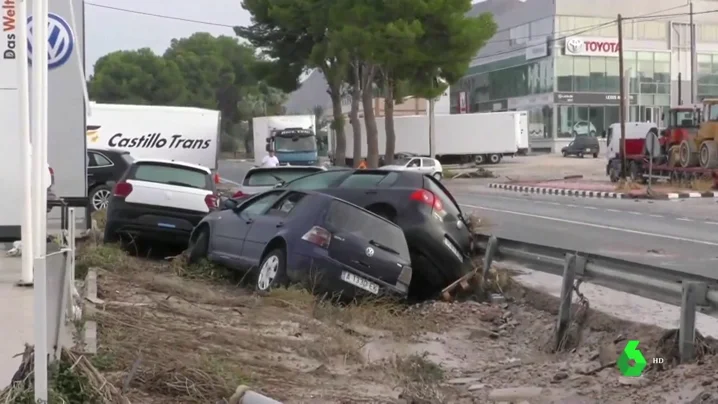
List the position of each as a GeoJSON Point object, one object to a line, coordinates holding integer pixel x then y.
{"type": "Point", "coordinates": [588, 150]}
{"type": "Point", "coordinates": [360, 282]}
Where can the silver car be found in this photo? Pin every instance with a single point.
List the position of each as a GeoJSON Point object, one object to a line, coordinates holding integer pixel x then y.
{"type": "Point", "coordinates": [260, 179]}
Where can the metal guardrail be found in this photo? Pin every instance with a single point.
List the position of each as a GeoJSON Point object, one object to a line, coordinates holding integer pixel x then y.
{"type": "Point", "coordinates": [689, 291]}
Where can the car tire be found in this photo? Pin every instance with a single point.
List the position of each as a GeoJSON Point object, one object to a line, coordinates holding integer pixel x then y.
{"type": "Point", "coordinates": [100, 197]}
{"type": "Point", "coordinates": [199, 247]}
{"type": "Point", "coordinates": [437, 175]}
{"type": "Point", "coordinates": [272, 271]}
{"type": "Point", "coordinates": [580, 155]}
{"type": "Point", "coordinates": [565, 154]}
{"type": "Point", "coordinates": [595, 155]}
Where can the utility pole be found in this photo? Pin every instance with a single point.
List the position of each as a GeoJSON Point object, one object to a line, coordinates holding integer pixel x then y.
{"type": "Point", "coordinates": [622, 98]}
{"type": "Point", "coordinates": [694, 87]}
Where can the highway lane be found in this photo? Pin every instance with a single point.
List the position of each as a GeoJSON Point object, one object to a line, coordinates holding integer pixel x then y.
{"type": "Point", "coordinates": [618, 229]}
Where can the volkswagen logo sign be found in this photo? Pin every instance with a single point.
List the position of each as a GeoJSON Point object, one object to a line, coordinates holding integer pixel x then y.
{"type": "Point", "coordinates": [60, 41]}
{"type": "Point", "coordinates": [574, 45]}
{"type": "Point", "coordinates": [369, 252]}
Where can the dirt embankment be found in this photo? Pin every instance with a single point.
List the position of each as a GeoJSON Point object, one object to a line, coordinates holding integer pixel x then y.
{"type": "Point", "coordinates": [192, 335]}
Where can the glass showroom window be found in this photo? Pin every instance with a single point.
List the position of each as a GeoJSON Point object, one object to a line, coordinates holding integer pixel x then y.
{"type": "Point", "coordinates": [564, 73]}
{"type": "Point", "coordinates": [631, 67]}
{"type": "Point", "coordinates": [704, 75]}
{"type": "Point", "coordinates": [581, 74]}
{"type": "Point", "coordinates": [613, 79]}
{"type": "Point", "coordinates": [597, 75]}
{"type": "Point", "coordinates": [565, 121]}
{"type": "Point", "coordinates": [646, 72]}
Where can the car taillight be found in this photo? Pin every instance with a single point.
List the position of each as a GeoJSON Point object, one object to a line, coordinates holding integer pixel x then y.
{"type": "Point", "coordinates": [428, 198]}
{"type": "Point", "coordinates": [238, 194]}
{"type": "Point", "coordinates": [319, 236]}
{"type": "Point", "coordinates": [216, 178]}
{"type": "Point", "coordinates": [212, 201]}
{"type": "Point", "coordinates": [122, 189]}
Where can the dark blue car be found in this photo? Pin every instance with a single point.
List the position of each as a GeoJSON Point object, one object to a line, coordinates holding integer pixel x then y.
{"type": "Point", "coordinates": [305, 237]}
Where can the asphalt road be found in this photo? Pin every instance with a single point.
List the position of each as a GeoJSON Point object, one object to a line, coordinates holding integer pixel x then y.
{"type": "Point", "coordinates": [656, 233]}
{"type": "Point", "coordinates": [681, 235]}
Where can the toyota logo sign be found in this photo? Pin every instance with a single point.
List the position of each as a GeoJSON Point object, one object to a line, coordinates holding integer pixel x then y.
{"type": "Point", "coordinates": [574, 45]}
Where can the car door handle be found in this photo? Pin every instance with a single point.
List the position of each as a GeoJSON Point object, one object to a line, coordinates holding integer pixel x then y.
{"type": "Point", "coordinates": [249, 221]}
{"type": "Point", "coordinates": [370, 192]}
{"type": "Point", "coordinates": [280, 224]}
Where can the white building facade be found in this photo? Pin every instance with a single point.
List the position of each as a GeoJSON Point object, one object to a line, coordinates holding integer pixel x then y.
{"type": "Point", "coordinates": [558, 60]}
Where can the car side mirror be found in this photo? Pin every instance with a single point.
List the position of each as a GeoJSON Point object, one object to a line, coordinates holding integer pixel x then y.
{"type": "Point", "coordinates": [230, 204]}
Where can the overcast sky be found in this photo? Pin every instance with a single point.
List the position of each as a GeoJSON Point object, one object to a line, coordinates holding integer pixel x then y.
{"type": "Point", "coordinates": [111, 30]}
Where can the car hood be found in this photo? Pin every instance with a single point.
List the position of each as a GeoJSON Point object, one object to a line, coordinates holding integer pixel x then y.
{"type": "Point", "coordinates": [392, 167]}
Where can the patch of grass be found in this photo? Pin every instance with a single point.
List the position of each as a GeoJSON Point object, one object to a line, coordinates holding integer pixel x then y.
{"type": "Point", "coordinates": [419, 369]}
{"type": "Point", "coordinates": [703, 184]}
{"type": "Point", "coordinates": [448, 174]}
{"type": "Point", "coordinates": [107, 256]}
{"type": "Point", "coordinates": [100, 219]}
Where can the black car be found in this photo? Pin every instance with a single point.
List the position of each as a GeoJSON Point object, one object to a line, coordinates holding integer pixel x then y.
{"type": "Point", "coordinates": [310, 238]}
{"type": "Point", "coordinates": [104, 168]}
{"type": "Point", "coordinates": [435, 228]}
{"type": "Point", "coordinates": [581, 146]}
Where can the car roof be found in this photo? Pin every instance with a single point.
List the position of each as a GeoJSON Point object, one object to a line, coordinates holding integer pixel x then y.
{"type": "Point", "coordinates": [175, 163]}
{"type": "Point", "coordinates": [333, 198]}
{"type": "Point", "coordinates": [285, 168]}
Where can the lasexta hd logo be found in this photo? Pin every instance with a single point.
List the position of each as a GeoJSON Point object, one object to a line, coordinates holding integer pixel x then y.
{"type": "Point", "coordinates": [631, 362]}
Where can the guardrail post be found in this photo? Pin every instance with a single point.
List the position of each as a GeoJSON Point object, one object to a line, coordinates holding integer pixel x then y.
{"type": "Point", "coordinates": [491, 248]}
{"type": "Point", "coordinates": [564, 308]}
{"type": "Point", "coordinates": [687, 332]}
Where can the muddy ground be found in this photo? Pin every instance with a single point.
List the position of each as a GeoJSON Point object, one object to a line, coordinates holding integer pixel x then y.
{"type": "Point", "coordinates": [192, 335]}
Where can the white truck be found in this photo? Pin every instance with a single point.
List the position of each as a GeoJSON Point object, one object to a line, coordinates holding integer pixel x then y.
{"type": "Point", "coordinates": [480, 137]}
{"type": "Point", "coordinates": [292, 137]}
{"type": "Point", "coordinates": [183, 134]}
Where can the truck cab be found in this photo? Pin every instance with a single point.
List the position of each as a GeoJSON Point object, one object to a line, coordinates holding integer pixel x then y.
{"type": "Point", "coordinates": [294, 146]}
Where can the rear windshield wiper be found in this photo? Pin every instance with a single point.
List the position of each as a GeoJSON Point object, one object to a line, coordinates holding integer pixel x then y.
{"type": "Point", "coordinates": [181, 184]}
{"type": "Point", "coordinates": [383, 247]}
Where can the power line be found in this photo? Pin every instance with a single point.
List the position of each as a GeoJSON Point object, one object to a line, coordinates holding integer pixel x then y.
{"type": "Point", "coordinates": [166, 17]}
{"type": "Point", "coordinates": [568, 31]}
{"type": "Point", "coordinates": [550, 41]}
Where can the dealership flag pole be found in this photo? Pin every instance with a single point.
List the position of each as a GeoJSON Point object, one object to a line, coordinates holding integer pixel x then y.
{"type": "Point", "coordinates": [39, 129]}
{"type": "Point", "coordinates": [25, 144]}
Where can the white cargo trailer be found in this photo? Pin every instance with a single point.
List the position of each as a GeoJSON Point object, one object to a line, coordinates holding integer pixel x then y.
{"type": "Point", "coordinates": [478, 137]}
{"type": "Point", "coordinates": [149, 131]}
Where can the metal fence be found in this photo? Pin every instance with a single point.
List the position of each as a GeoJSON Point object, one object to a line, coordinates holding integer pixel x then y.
{"type": "Point", "coordinates": [686, 290]}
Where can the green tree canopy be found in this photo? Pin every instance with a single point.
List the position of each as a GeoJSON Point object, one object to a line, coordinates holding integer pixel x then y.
{"type": "Point", "coordinates": [137, 77]}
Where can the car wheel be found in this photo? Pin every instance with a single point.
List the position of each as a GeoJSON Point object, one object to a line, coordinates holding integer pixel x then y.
{"type": "Point", "coordinates": [199, 247]}
{"type": "Point", "coordinates": [100, 197]}
{"type": "Point", "coordinates": [272, 271]}
{"type": "Point", "coordinates": [495, 158]}
{"type": "Point", "coordinates": [565, 154]}
{"type": "Point", "coordinates": [580, 155]}
{"type": "Point", "coordinates": [595, 155]}
{"type": "Point", "coordinates": [437, 175]}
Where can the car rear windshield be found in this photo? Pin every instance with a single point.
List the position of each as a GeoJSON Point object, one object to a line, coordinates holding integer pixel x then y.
{"type": "Point", "coordinates": [172, 175]}
{"type": "Point", "coordinates": [265, 178]}
{"type": "Point", "coordinates": [353, 220]}
{"type": "Point", "coordinates": [449, 206]}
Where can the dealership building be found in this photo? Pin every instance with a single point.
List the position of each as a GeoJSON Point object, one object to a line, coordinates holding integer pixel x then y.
{"type": "Point", "coordinates": [558, 60]}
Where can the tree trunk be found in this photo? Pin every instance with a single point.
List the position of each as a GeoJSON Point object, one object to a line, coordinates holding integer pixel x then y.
{"type": "Point", "coordinates": [372, 135]}
{"type": "Point", "coordinates": [390, 148]}
{"type": "Point", "coordinates": [340, 148]}
{"type": "Point", "coordinates": [356, 125]}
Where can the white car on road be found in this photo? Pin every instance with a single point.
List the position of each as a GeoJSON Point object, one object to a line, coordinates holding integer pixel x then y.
{"type": "Point", "coordinates": [423, 165]}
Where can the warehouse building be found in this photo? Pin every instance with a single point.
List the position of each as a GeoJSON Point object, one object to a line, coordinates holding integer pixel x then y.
{"type": "Point", "coordinates": [558, 60]}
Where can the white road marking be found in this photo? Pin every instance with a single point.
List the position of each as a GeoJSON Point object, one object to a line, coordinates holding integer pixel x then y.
{"type": "Point", "coordinates": [684, 219]}
{"type": "Point", "coordinates": [572, 206]}
{"type": "Point", "coordinates": [656, 215]}
{"type": "Point", "coordinates": [635, 213]}
{"type": "Point", "coordinates": [598, 226]}
{"type": "Point", "coordinates": [612, 210]}
{"type": "Point", "coordinates": [590, 207]}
